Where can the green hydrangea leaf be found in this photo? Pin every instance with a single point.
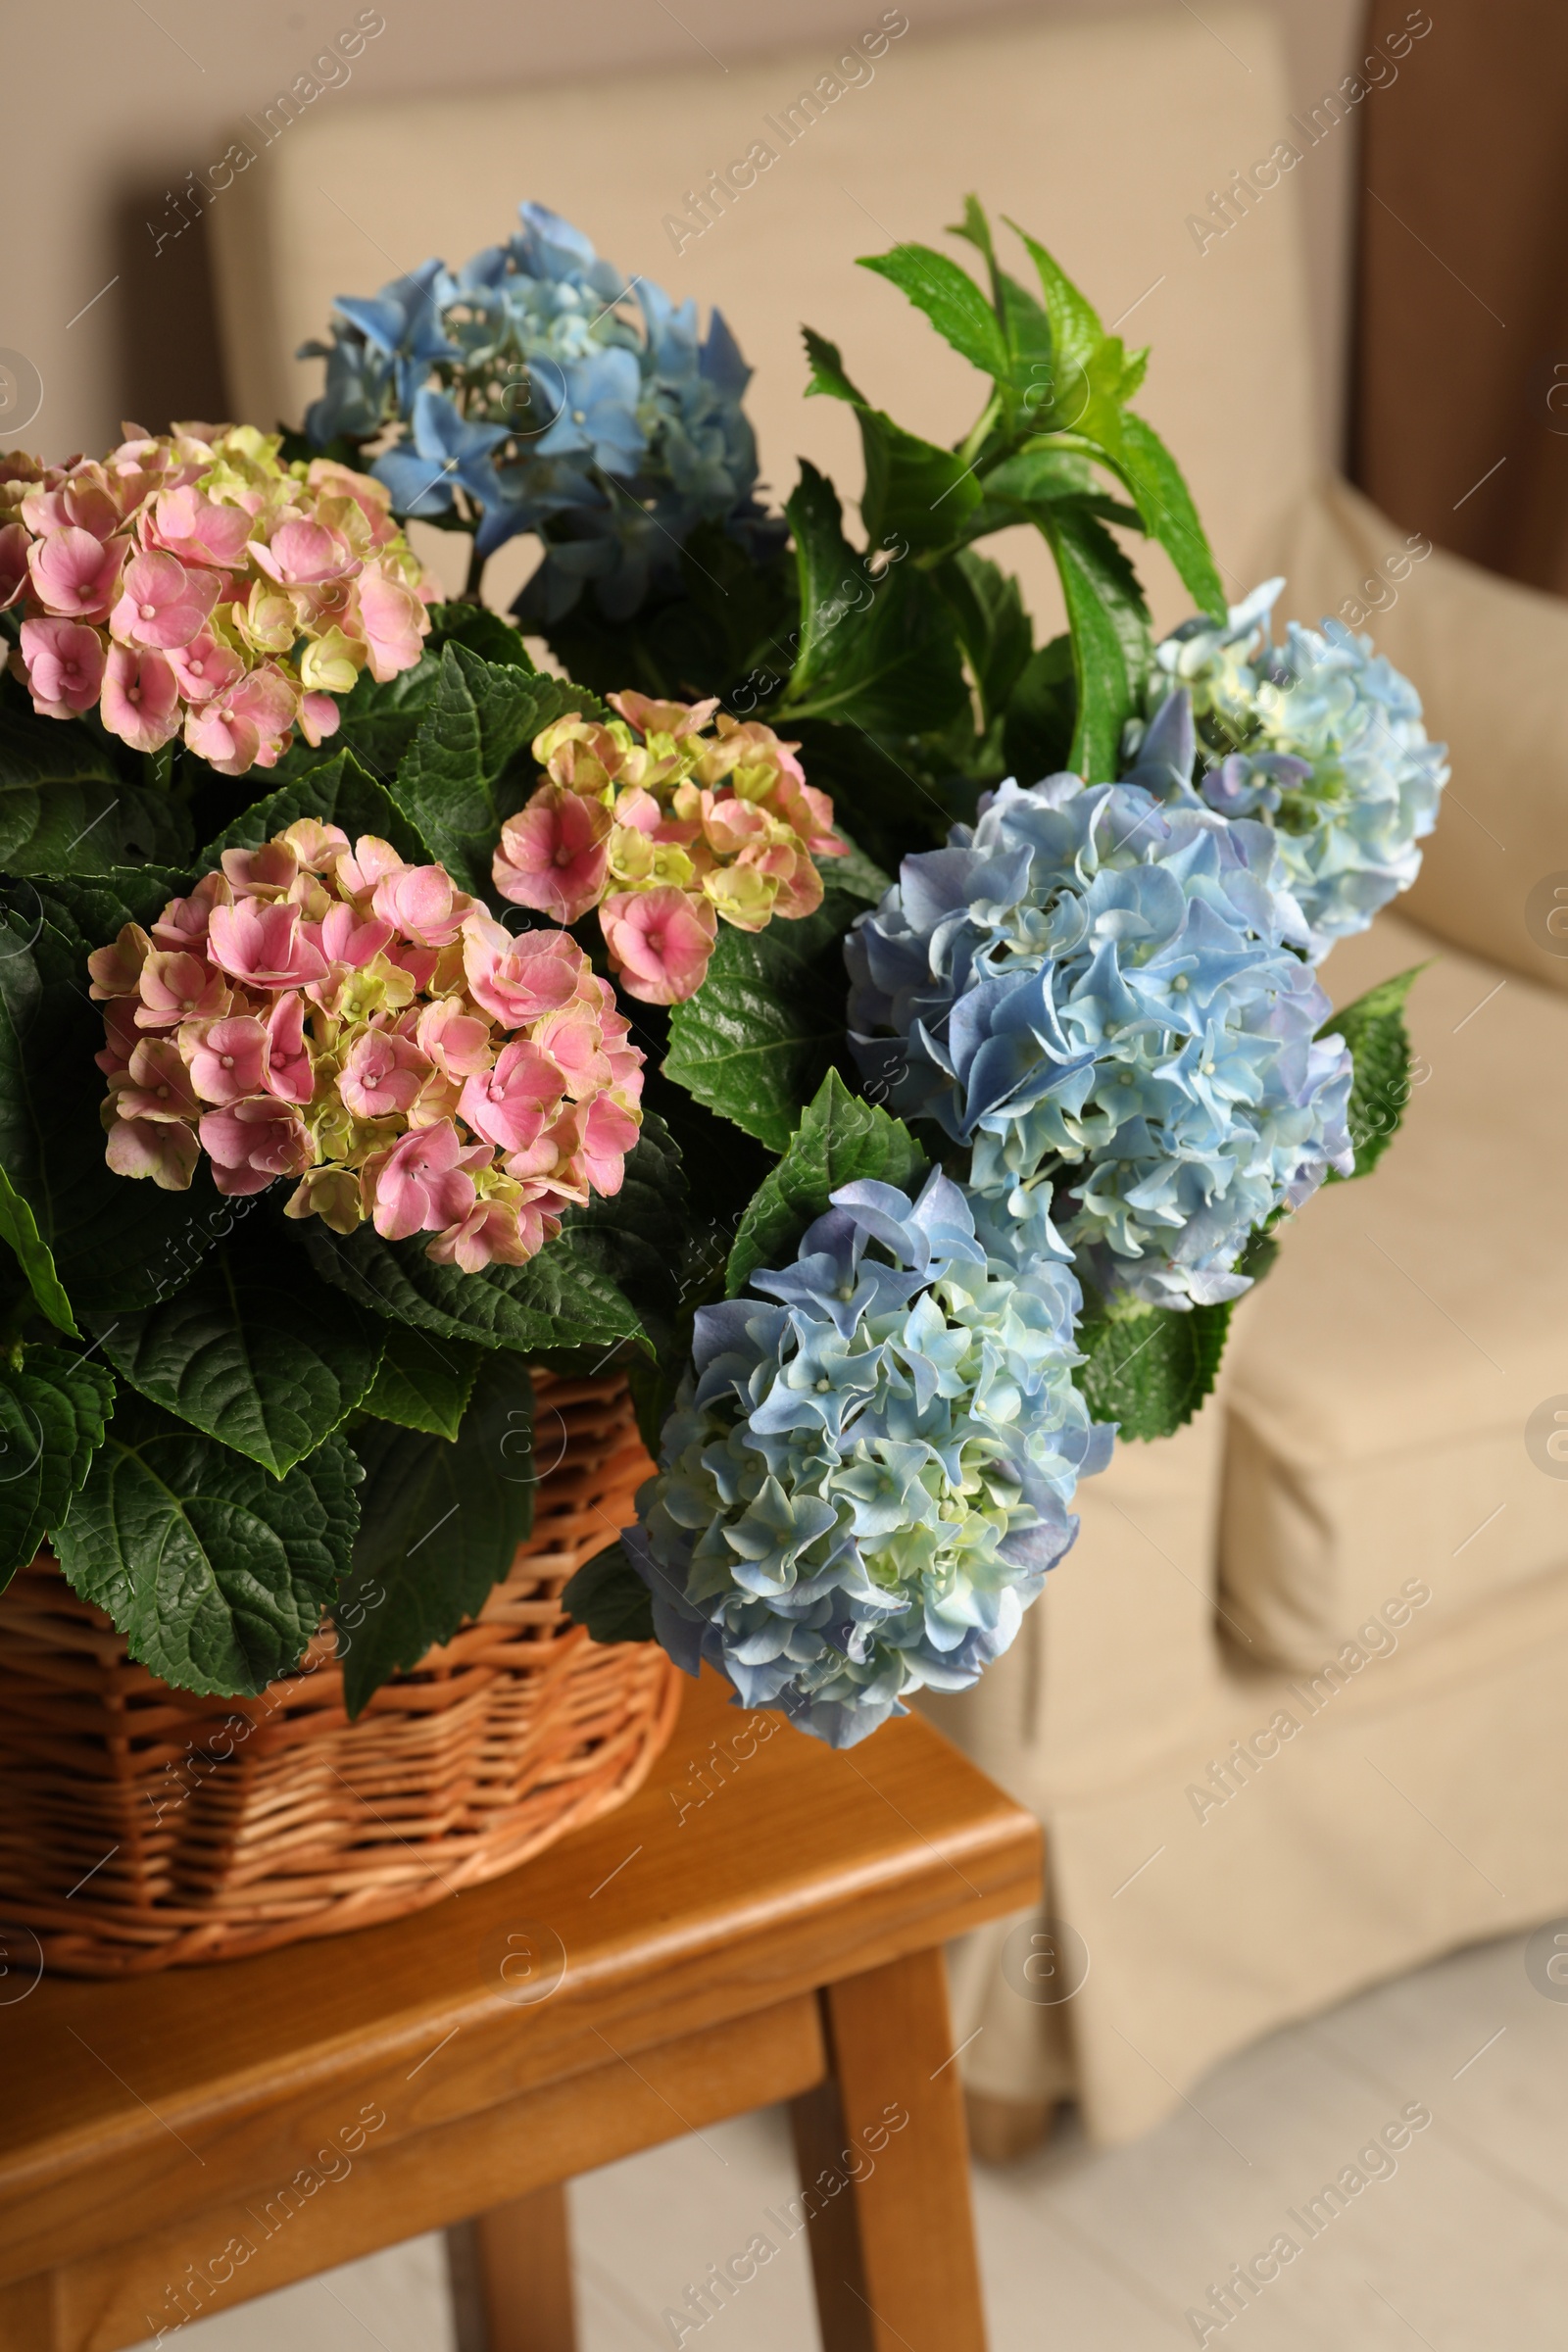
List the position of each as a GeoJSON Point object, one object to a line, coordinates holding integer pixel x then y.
{"type": "Point", "coordinates": [254, 1350]}
{"type": "Point", "coordinates": [482, 631]}
{"type": "Point", "coordinates": [855, 874]}
{"type": "Point", "coordinates": [423, 1383]}
{"type": "Point", "coordinates": [558, 1301]}
{"type": "Point", "coordinates": [1374, 1029]}
{"type": "Point", "coordinates": [1150, 1372]}
{"type": "Point", "coordinates": [839, 1140]}
{"type": "Point", "coordinates": [53, 1409]}
{"type": "Point", "coordinates": [440, 1523]}
{"type": "Point", "coordinates": [20, 1227]}
{"type": "Point", "coordinates": [876, 650]}
{"type": "Point", "coordinates": [66, 809]}
{"type": "Point", "coordinates": [988, 608]}
{"type": "Point", "coordinates": [340, 792]}
{"type": "Point", "coordinates": [609, 1596]}
{"type": "Point", "coordinates": [949, 299]}
{"type": "Point", "coordinates": [756, 1040]}
{"type": "Point", "coordinates": [915, 491]}
{"type": "Point", "coordinates": [470, 766]}
{"type": "Point", "coordinates": [1076, 334]}
{"type": "Point", "coordinates": [1037, 729]}
{"type": "Point", "coordinates": [1164, 501]}
{"type": "Point", "coordinates": [216, 1572]}
{"type": "Point", "coordinates": [632, 1239]}
{"type": "Point", "coordinates": [1110, 642]}
{"type": "Point", "coordinates": [91, 909]}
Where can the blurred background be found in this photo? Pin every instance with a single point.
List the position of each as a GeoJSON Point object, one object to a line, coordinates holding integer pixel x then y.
{"type": "Point", "coordinates": [1433, 362]}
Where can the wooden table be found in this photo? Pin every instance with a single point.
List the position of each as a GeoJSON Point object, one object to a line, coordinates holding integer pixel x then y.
{"type": "Point", "coordinates": [763, 1921]}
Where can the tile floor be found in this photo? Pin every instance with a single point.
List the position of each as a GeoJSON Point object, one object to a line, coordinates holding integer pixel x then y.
{"type": "Point", "coordinates": [1463, 2248]}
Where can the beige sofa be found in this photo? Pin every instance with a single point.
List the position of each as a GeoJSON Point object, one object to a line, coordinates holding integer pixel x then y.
{"type": "Point", "coordinates": [1295, 1711]}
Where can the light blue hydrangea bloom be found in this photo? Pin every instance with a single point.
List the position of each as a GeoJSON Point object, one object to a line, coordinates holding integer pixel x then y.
{"type": "Point", "coordinates": [1103, 996]}
{"type": "Point", "coordinates": [864, 1484]}
{"type": "Point", "coordinates": [526, 381]}
{"type": "Point", "coordinates": [1319, 737]}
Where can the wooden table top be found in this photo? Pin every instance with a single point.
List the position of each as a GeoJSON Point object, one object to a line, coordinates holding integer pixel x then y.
{"type": "Point", "coordinates": [755, 1864]}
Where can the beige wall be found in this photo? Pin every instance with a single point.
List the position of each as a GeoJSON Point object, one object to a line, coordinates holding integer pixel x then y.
{"type": "Point", "coordinates": [111, 106]}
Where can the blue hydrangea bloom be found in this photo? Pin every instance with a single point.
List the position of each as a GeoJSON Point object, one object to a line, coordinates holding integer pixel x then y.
{"type": "Point", "coordinates": [444, 453]}
{"type": "Point", "coordinates": [865, 1482]}
{"type": "Point", "coordinates": [610, 432]}
{"type": "Point", "coordinates": [1105, 998]}
{"type": "Point", "coordinates": [1319, 737]}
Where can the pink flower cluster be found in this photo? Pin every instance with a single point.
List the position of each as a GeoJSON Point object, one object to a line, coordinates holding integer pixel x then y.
{"type": "Point", "coordinates": [665, 827]}
{"type": "Point", "coordinates": [192, 583]}
{"type": "Point", "coordinates": [321, 1010]}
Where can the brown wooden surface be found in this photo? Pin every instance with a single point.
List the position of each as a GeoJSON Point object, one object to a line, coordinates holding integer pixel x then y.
{"type": "Point", "coordinates": [695, 1924]}
{"type": "Point", "coordinates": [881, 2142]}
{"type": "Point", "coordinates": [512, 2276]}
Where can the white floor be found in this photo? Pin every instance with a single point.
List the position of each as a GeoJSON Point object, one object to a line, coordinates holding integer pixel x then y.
{"type": "Point", "coordinates": [1464, 2249]}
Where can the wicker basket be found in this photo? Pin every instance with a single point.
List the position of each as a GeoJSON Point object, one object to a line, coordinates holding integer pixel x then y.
{"type": "Point", "coordinates": [143, 1826]}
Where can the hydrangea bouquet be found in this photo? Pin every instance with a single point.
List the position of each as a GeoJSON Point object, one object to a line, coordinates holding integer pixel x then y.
{"type": "Point", "coordinates": [896, 1045]}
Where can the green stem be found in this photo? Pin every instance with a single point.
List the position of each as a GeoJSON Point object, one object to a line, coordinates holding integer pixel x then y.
{"type": "Point", "coordinates": [470, 586]}
{"type": "Point", "coordinates": [158, 768]}
{"type": "Point", "coordinates": [974, 440]}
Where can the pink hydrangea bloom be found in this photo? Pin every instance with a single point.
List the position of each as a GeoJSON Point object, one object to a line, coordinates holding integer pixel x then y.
{"type": "Point", "coordinates": [202, 546]}
{"type": "Point", "coordinates": [264, 946]}
{"type": "Point", "coordinates": [347, 938]}
{"type": "Point", "coordinates": [253, 1140]}
{"type": "Point", "coordinates": [555, 853]}
{"type": "Point", "coordinates": [178, 987]}
{"type": "Point", "coordinates": [64, 665]}
{"type": "Point", "coordinates": [183, 921]}
{"type": "Point", "coordinates": [288, 1071]}
{"type": "Point", "coordinates": [197, 529]}
{"type": "Point", "coordinates": [320, 716]}
{"type": "Point", "coordinates": [161, 601]}
{"type": "Point", "coordinates": [422, 1183]}
{"type": "Point", "coordinates": [659, 941]}
{"type": "Point", "coordinates": [303, 552]}
{"type": "Point", "coordinates": [509, 1105]}
{"type": "Point", "coordinates": [724, 819]}
{"type": "Point", "coordinates": [75, 575]}
{"type": "Point", "coordinates": [519, 979]}
{"type": "Point", "coordinates": [246, 725]}
{"type": "Point", "coordinates": [369, 864]}
{"type": "Point", "coordinates": [470, 1090]}
{"type": "Point", "coordinates": [204, 668]}
{"type": "Point", "coordinates": [393, 622]}
{"type": "Point", "coordinates": [383, 1074]}
{"type": "Point", "coordinates": [675, 719]}
{"type": "Point", "coordinates": [160, 1085]}
{"type": "Point", "coordinates": [422, 902]}
{"type": "Point", "coordinates": [165, 1150]}
{"type": "Point", "coordinates": [140, 698]}
{"type": "Point", "coordinates": [228, 1059]}
{"type": "Point", "coordinates": [495, 1232]}
{"type": "Point", "coordinates": [269, 872]}
{"type": "Point", "coordinates": [116, 971]}
{"type": "Point", "coordinates": [456, 1038]}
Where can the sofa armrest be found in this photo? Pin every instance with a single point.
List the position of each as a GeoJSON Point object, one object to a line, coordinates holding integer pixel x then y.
{"type": "Point", "coordinates": [1487, 657]}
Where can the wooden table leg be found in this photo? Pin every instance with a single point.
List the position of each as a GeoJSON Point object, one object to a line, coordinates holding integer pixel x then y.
{"type": "Point", "coordinates": [510, 2272]}
{"type": "Point", "coordinates": [885, 2173]}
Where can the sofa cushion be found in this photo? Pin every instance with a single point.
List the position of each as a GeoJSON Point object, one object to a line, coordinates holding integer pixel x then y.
{"type": "Point", "coordinates": [1392, 1402]}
